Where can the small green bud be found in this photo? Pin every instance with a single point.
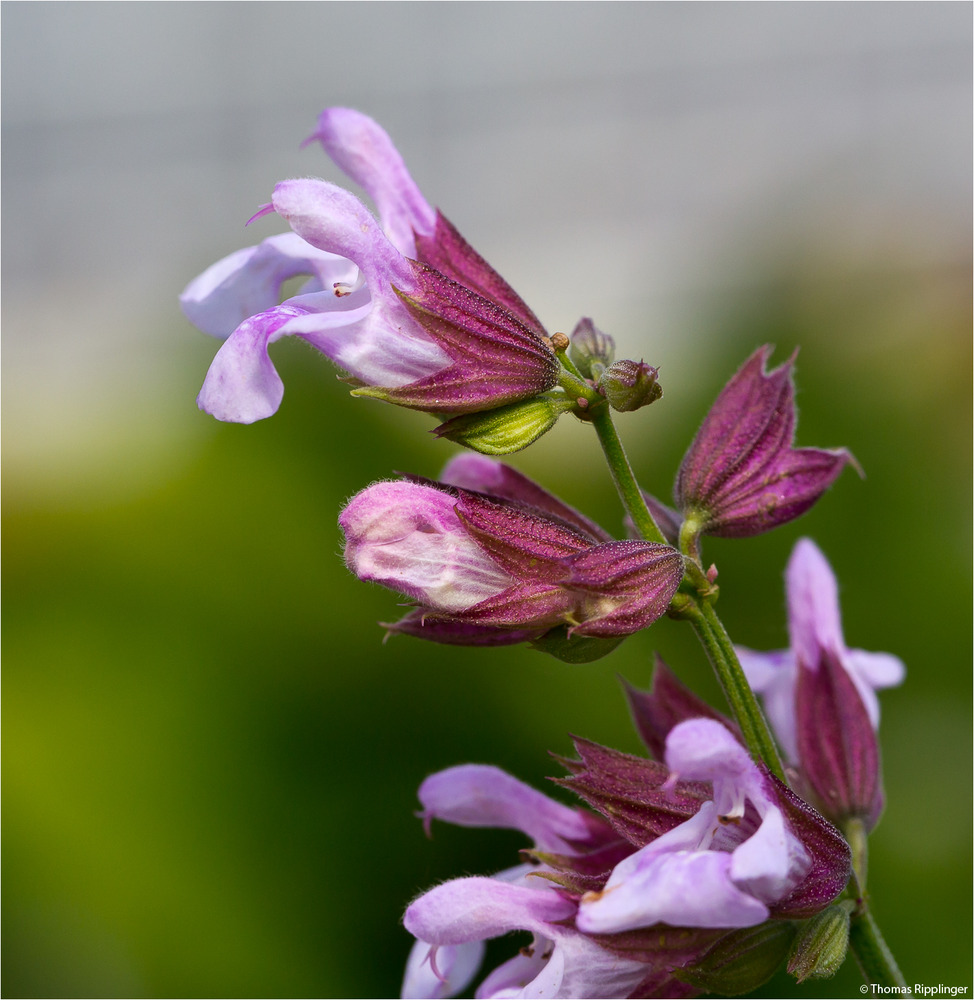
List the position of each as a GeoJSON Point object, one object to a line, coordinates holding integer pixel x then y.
{"type": "Point", "coordinates": [591, 350]}
{"type": "Point", "coordinates": [508, 428]}
{"type": "Point", "coordinates": [742, 960]}
{"type": "Point", "coordinates": [628, 385]}
{"type": "Point", "coordinates": [574, 649]}
{"type": "Point", "coordinates": [821, 945]}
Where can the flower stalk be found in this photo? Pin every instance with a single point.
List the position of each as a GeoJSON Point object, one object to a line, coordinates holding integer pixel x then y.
{"type": "Point", "coordinates": [747, 712]}
{"type": "Point", "coordinates": [699, 612]}
{"type": "Point", "coordinates": [623, 476]}
{"type": "Point", "coordinates": [875, 960]}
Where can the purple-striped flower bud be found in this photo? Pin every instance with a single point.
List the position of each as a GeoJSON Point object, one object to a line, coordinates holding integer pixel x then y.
{"type": "Point", "coordinates": [630, 385]}
{"type": "Point", "coordinates": [741, 476]}
{"type": "Point", "coordinates": [591, 350]}
{"type": "Point", "coordinates": [404, 305]}
{"type": "Point", "coordinates": [821, 696]}
{"type": "Point", "coordinates": [490, 570]}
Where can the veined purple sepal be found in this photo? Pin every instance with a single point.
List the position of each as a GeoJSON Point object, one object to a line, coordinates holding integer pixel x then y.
{"type": "Point", "coordinates": [449, 253]}
{"type": "Point", "coordinates": [484, 475]}
{"type": "Point", "coordinates": [829, 854]}
{"type": "Point", "coordinates": [419, 624]}
{"type": "Point", "coordinates": [522, 541]}
{"type": "Point", "coordinates": [638, 578]}
{"type": "Point", "coordinates": [525, 604]}
{"type": "Point", "coordinates": [629, 791]}
{"type": "Point", "coordinates": [665, 705]}
{"type": "Point", "coordinates": [741, 476]}
{"type": "Point", "coordinates": [837, 744]}
{"type": "Point", "coordinates": [495, 358]}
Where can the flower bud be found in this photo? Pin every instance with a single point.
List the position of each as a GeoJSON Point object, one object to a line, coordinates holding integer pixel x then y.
{"type": "Point", "coordinates": [508, 428]}
{"type": "Point", "coordinates": [742, 961]}
{"type": "Point", "coordinates": [480, 565]}
{"type": "Point", "coordinates": [628, 385]}
{"type": "Point", "coordinates": [821, 945]}
{"type": "Point", "coordinates": [591, 350]}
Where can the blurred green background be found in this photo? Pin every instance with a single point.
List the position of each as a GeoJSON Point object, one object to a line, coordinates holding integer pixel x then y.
{"type": "Point", "coordinates": [210, 758]}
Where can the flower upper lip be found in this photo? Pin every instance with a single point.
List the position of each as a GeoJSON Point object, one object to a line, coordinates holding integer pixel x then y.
{"type": "Point", "coordinates": [428, 324]}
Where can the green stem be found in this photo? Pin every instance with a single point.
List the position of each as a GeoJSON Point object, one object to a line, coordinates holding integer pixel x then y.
{"type": "Point", "coordinates": [855, 834]}
{"type": "Point", "coordinates": [701, 614]}
{"type": "Point", "coordinates": [872, 953]}
{"type": "Point", "coordinates": [622, 476]}
{"type": "Point", "coordinates": [720, 651]}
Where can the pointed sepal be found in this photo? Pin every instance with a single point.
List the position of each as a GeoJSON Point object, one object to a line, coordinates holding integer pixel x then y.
{"type": "Point", "coordinates": [742, 960]}
{"type": "Point", "coordinates": [506, 429]}
{"type": "Point", "coordinates": [741, 476]}
{"type": "Point", "coordinates": [665, 705]}
{"type": "Point", "coordinates": [821, 945]}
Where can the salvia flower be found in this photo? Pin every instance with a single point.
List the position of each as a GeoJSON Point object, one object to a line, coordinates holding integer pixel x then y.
{"type": "Point", "coordinates": [724, 867]}
{"type": "Point", "coordinates": [619, 906]}
{"type": "Point", "coordinates": [500, 567]}
{"type": "Point", "coordinates": [820, 695]}
{"type": "Point", "coordinates": [404, 305]}
{"type": "Point", "coordinates": [741, 475]}
{"type": "Point", "coordinates": [456, 917]}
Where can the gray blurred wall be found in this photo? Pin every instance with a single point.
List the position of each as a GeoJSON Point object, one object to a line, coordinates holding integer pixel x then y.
{"type": "Point", "coordinates": [614, 159]}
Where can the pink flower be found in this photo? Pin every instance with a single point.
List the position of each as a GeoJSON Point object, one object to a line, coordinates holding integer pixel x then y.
{"type": "Point", "coordinates": [489, 568]}
{"type": "Point", "coordinates": [406, 307]}
{"type": "Point", "coordinates": [821, 696]}
{"type": "Point", "coordinates": [451, 921]}
{"type": "Point", "coordinates": [617, 905]}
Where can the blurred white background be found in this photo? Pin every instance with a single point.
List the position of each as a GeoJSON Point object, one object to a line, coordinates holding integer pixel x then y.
{"type": "Point", "coordinates": [617, 159]}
